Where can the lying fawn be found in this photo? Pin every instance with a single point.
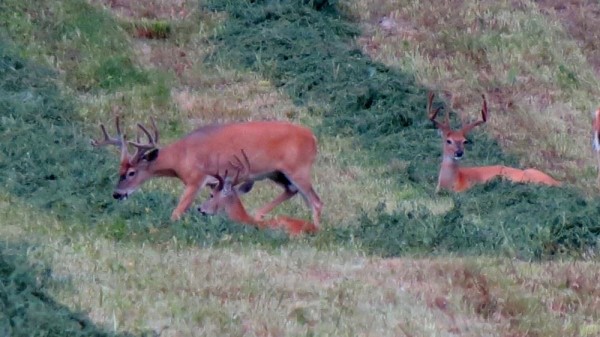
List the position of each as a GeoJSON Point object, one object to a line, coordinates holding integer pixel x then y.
{"type": "Point", "coordinates": [225, 199]}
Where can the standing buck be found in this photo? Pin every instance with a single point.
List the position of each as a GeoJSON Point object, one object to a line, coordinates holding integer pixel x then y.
{"type": "Point", "coordinates": [279, 151]}
{"type": "Point", "coordinates": [458, 179]}
{"type": "Point", "coordinates": [225, 199]}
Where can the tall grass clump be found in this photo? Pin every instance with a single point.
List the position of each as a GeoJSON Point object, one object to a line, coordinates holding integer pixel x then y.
{"type": "Point", "coordinates": [310, 54]}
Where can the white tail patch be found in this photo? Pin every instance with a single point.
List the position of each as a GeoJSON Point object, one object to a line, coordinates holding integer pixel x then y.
{"type": "Point", "coordinates": [596, 130]}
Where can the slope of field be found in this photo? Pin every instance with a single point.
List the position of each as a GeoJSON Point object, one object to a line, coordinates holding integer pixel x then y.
{"type": "Point", "coordinates": [74, 262]}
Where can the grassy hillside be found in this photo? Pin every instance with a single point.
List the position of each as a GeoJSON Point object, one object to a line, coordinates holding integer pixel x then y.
{"type": "Point", "coordinates": [65, 66]}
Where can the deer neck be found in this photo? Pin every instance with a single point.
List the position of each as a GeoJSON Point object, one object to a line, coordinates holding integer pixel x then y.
{"type": "Point", "coordinates": [449, 171]}
{"type": "Point", "coordinates": [165, 165]}
{"type": "Point", "coordinates": [237, 212]}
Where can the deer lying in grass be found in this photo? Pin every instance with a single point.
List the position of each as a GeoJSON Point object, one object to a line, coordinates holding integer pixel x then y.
{"type": "Point", "coordinates": [596, 138]}
{"type": "Point", "coordinates": [456, 178]}
{"type": "Point", "coordinates": [225, 199]}
{"type": "Point", "coordinates": [279, 151]}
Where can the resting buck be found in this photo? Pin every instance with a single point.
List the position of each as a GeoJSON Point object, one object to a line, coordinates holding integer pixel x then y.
{"type": "Point", "coordinates": [224, 198]}
{"type": "Point", "coordinates": [280, 151]}
{"type": "Point", "coordinates": [456, 178]}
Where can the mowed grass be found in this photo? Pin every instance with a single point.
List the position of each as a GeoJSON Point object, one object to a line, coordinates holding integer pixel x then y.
{"type": "Point", "coordinates": [175, 289]}
{"type": "Point", "coordinates": [130, 270]}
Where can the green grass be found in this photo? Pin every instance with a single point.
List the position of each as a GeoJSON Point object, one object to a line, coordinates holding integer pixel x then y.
{"type": "Point", "coordinates": [86, 43]}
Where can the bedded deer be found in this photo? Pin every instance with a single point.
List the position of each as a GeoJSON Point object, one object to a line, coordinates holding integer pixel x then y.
{"type": "Point", "coordinates": [596, 138]}
{"type": "Point", "coordinates": [279, 151]}
{"type": "Point", "coordinates": [224, 199]}
{"type": "Point", "coordinates": [454, 177]}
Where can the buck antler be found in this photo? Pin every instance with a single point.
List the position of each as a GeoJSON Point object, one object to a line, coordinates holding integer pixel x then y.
{"type": "Point", "coordinates": [142, 148]}
{"type": "Point", "coordinates": [467, 128]}
{"type": "Point", "coordinates": [118, 141]}
{"type": "Point", "coordinates": [241, 166]}
{"type": "Point", "coordinates": [433, 114]}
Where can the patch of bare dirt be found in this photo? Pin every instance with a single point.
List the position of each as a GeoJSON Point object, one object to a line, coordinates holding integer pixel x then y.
{"type": "Point", "coordinates": [149, 9]}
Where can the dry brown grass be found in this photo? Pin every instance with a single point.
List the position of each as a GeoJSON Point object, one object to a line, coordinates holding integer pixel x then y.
{"type": "Point", "coordinates": [150, 9]}
{"type": "Point", "coordinates": [180, 290]}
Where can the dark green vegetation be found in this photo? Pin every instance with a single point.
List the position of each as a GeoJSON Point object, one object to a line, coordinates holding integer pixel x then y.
{"type": "Point", "coordinates": [25, 307]}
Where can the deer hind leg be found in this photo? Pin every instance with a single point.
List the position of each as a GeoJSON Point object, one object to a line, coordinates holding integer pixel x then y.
{"type": "Point", "coordinates": [537, 176]}
{"type": "Point", "coordinates": [289, 190]}
{"type": "Point", "coordinates": [301, 180]}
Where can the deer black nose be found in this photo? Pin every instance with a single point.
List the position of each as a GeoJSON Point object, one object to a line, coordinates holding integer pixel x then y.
{"type": "Point", "coordinates": [458, 154]}
{"type": "Point", "coordinates": [201, 211]}
{"type": "Point", "coordinates": [119, 196]}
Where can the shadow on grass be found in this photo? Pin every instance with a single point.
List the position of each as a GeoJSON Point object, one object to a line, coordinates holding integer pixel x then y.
{"type": "Point", "coordinates": [26, 309]}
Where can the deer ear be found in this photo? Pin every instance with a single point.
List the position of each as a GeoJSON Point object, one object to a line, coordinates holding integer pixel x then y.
{"type": "Point", "coordinates": [151, 155]}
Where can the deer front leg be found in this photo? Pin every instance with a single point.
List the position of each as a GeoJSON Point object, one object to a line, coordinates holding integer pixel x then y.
{"type": "Point", "coordinates": [185, 201]}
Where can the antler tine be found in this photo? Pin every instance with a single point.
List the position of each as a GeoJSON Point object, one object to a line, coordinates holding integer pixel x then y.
{"type": "Point", "coordinates": [484, 112]}
{"type": "Point", "coordinates": [433, 114]}
{"type": "Point", "coordinates": [155, 130]}
{"type": "Point", "coordinates": [241, 166]}
{"type": "Point", "coordinates": [152, 141]}
{"type": "Point", "coordinates": [220, 179]}
{"type": "Point", "coordinates": [108, 140]}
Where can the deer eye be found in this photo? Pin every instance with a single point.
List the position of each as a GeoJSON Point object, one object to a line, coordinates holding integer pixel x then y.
{"type": "Point", "coordinates": [130, 173]}
{"type": "Point", "coordinates": [448, 141]}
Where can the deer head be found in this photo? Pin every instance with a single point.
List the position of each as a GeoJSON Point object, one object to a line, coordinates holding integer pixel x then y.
{"type": "Point", "coordinates": [454, 140]}
{"type": "Point", "coordinates": [224, 197]}
{"type": "Point", "coordinates": [133, 169]}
